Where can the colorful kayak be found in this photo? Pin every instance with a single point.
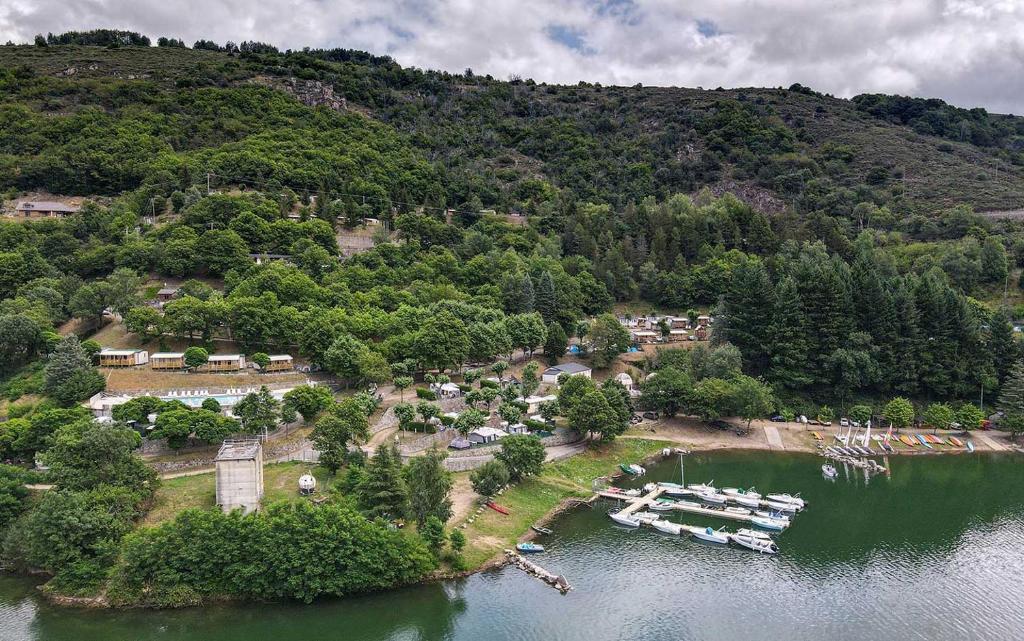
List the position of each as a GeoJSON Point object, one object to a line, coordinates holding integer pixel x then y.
{"type": "Point", "coordinates": [955, 442]}
{"type": "Point", "coordinates": [970, 446]}
{"type": "Point", "coordinates": [924, 441]}
{"type": "Point", "coordinates": [497, 508]}
{"type": "Point", "coordinates": [817, 436]}
{"type": "Point", "coordinates": [906, 440]}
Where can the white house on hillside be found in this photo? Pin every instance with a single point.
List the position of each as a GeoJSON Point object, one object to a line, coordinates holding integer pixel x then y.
{"type": "Point", "coordinates": [551, 374]}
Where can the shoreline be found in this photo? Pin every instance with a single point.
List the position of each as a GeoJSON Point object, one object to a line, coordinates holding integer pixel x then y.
{"type": "Point", "coordinates": [655, 441]}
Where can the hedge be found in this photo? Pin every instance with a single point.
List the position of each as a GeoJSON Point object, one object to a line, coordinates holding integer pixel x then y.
{"type": "Point", "coordinates": [426, 394]}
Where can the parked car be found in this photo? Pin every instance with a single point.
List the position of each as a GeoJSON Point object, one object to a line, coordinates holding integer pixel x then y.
{"type": "Point", "coordinates": [636, 418]}
{"type": "Point", "coordinates": [827, 423]}
{"type": "Point", "coordinates": [651, 416]}
{"type": "Point", "coordinates": [813, 421]}
{"type": "Point", "coordinates": [844, 422]}
{"type": "Point", "coordinates": [779, 418]}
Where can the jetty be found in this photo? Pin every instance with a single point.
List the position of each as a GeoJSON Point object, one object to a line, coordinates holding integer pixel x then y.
{"type": "Point", "coordinates": [636, 503]}
{"type": "Point", "coordinates": [556, 581]}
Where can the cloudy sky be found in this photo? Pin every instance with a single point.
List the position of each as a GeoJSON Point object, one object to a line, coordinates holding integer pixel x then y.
{"type": "Point", "coordinates": [969, 52]}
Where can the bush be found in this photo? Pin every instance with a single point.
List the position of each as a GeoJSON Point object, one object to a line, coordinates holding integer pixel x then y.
{"type": "Point", "coordinates": [464, 388]}
{"type": "Point", "coordinates": [492, 384]}
{"type": "Point", "coordinates": [489, 478]}
{"type": "Point", "coordinates": [536, 426]}
{"type": "Point", "coordinates": [426, 394]}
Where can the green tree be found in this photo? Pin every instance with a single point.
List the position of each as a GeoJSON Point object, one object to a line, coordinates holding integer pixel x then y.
{"type": "Point", "coordinates": [510, 413]}
{"type": "Point", "coordinates": [309, 400]}
{"type": "Point", "coordinates": [939, 415]}
{"type": "Point", "coordinates": [401, 384]}
{"type": "Point", "coordinates": [261, 359]}
{"type": "Point", "coordinates": [608, 339]}
{"type": "Point", "coordinates": [530, 379]}
{"type": "Point", "coordinates": [545, 300]}
{"type": "Point", "coordinates": [969, 416]}
{"type": "Point", "coordinates": [333, 432]}
{"type": "Point", "coordinates": [258, 411]}
{"type": "Point", "coordinates": [1011, 400]}
{"type": "Point", "coordinates": [427, 410]}
{"type": "Point", "coordinates": [432, 532]}
{"type": "Point", "coordinates": [489, 478]}
{"type": "Point", "coordinates": [860, 414]}
{"type": "Point", "coordinates": [751, 398]}
{"type": "Point", "coordinates": [442, 342]}
{"type": "Point", "coordinates": [592, 414]}
{"type": "Point", "coordinates": [196, 357]}
{"type": "Point", "coordinates": [405, 413]}
{"type": "Point", "coordinates": [522, 454]}
{"type": "Point", "coordinates": [712, 398]}
{"type": "Point", "coordinates": [899, 412]}
{"type": "Point", "coordinates": [383, 492]}
{"type": "Point", "coordinates": [668, 391]}
{"type": "Point", "coordinates": [825, 414]}
{"type": "Point", "coordinates": [144, 321]}
{"type": "Point", "coordinates": [469, 420]}
{"type": "Point", "coordinates": [555, 344]}
{"type": "Point", "coordinates": [430, 486]}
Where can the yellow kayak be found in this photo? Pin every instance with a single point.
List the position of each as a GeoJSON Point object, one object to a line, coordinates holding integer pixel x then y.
{"type": "Point", "coordinates": [906, 440]}
{"type": "Point", "coordinates": [955, 442]}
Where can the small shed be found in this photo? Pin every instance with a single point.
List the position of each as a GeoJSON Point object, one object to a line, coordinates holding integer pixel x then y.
{"type": "Point", "coordinates": [449, 390]}
{"type": "Point", "coordinates": [516, 428]}
{"type": "Point", "coordinates": [280, 363]}
{"type": "Point", "coordinates": [239, 466]}
{"type": "Point", "coordinates": [167, 293]}
{"type": "Point", "coordinates": [224, 363]}
{"type": "Point", "coordinates": [167, 360]}
{"type": "Point", "coordinates": [123, 357]}
{"type": "Point", "coordinates": [551, 374]}
{"type": "Point", "coordinates": [485, 434]}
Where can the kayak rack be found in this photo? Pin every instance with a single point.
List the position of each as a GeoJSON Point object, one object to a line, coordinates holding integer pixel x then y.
{"type": "Point", "coordinates": [556, 581]}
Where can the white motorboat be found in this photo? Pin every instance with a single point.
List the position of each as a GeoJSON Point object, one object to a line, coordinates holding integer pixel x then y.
{"type": "Point", "coordinates": [737, 492]}
{"type": "Point", "coordinates": [757, 534]}
{"type": "Point", "coordinates": [624, 519]}
{"type": "Point", "coordinates": [713, 497]}
{"type": "Point", "coordinates": [662, 506]}
{"type": "Point", "coordinates": [756, 543]}
{"type": "Point", "coordinates": [689, 504]}
{"type": "Point", "coordinates": [829, 471]}
{"type": "Point", "coordinates": [637, 469]}
{"type": "Point", "coordinates": [779, 516]}
{"type": "Point", "coordinates": [646, 517]}
{"type": "Point", "coordinates": [668, 527]}
{"type": "Point", "coordinates": [702, 487]}
{"type": "Point", "coordinates": [787, 498]}
{"type": "Point", "coordinates": [746, 501]}
{"type": "Point", "coordinates": [737, 510]}
{"type": "Point", "coordinates": [789, 508]}
{"type": "Point", "coordinates": [712, 536]}
{"type": "Point", "coordinates": [775, 525]}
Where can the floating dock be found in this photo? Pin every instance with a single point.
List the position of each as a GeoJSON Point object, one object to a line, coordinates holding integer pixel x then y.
{"type": "Point", "coordinates": [636, 503]}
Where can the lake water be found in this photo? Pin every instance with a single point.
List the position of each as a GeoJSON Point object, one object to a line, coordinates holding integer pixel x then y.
{"type": "Point", "coordinates": [936, 551]}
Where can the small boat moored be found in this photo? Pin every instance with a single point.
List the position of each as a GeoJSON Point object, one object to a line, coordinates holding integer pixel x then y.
{"type": "Point", "coordinates": [711, 535]}
{"type": "Point", "coordinates": [713, 497]}
{"type": "Point", "coordinates": [755, 543]}
{"type": "Point", "coordinates": [668, 527]}
{"type": "Point", "coordinates": [540, 530]}
{"type": "Point", "coordinates": [829, 471]}
{"type": "Point", "coordinates": [775, 525]}
{"type": "Point", "coordinates": [529, 548]}
{"type": "Point", "coordinates": [624, 520]}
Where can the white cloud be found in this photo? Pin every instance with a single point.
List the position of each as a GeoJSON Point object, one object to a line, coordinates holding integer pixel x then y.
{"type": "Point", "coordinates": [966, 51]}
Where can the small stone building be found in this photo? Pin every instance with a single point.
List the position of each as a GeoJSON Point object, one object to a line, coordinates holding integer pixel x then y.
{"type": "Point", "coordinates": [239, 475]}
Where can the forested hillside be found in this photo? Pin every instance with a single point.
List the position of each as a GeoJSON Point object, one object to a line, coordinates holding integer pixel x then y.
{"type": "Point", "coordinates": [838, 245]}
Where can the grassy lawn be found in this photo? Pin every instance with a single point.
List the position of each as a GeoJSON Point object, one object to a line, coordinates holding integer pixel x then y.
{"type": "Point", "coordinates": [280, 483]}
{"type": "Point", "coordinates": [490, 532]}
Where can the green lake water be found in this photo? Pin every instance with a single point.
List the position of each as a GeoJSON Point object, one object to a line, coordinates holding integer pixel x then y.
{"type": "Point", "coordinates": [935, 551]}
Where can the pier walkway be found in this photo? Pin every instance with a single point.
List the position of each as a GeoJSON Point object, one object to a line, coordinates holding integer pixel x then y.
{"type": "Point", "coordinates": [636, 503]}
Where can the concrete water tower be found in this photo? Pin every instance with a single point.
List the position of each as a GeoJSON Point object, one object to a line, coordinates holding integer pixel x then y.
{"type": "Point", "coordinates": [239, 475]}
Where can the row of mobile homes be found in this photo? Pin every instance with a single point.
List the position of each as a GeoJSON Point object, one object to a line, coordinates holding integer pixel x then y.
{"type": "Point", "coordinates": [123, 357]}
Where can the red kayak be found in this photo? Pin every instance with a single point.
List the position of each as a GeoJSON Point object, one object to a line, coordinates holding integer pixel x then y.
{"type": "Point", "coordinates": [497, 508]}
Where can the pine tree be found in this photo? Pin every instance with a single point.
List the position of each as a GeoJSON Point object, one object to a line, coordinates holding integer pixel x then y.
{"type": "Point", "coordinates": [545, 300]}
{"type": "Point", "coordinates": [1004, 348]}
{"type": "Point", "coordinates": [745, 306]}
{"type": "Point", "coordinates": [908, 338]}
{"type": "Point", "coordinates": [429, 486]}
{"type": "Point", "coordinates": [383, 493]}
{"type": "Point", "coordinates": [787, 341]}
{"type": "Point", "coordinates": [67, 359]}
